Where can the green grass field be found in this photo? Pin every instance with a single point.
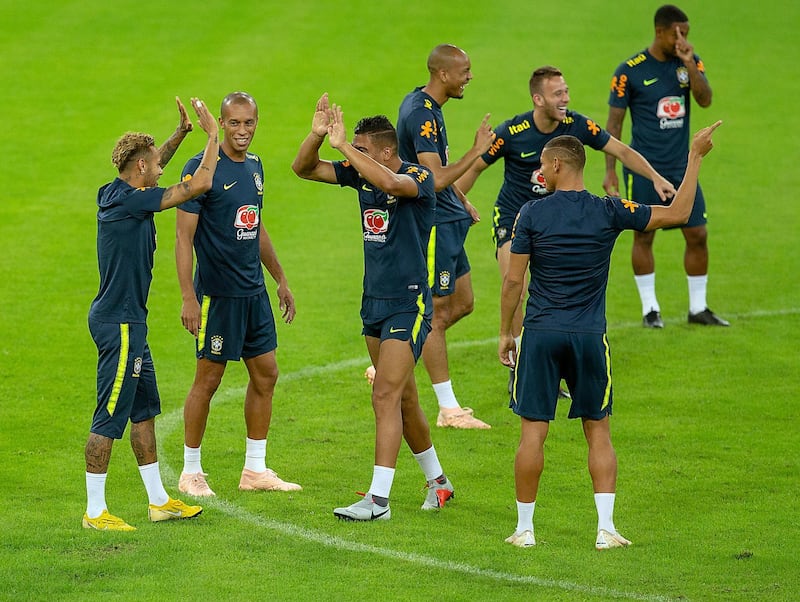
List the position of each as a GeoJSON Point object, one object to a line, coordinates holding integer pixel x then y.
{"type": "Point", "coordinates": [705, 420]}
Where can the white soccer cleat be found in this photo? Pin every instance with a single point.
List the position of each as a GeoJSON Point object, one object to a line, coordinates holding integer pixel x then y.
{"type": "Point", "coordinates": [607, 540]}
{"type": "Point", "coordinates": [522, 540]}
{"type": "Point", "coordinates": [363, 510]}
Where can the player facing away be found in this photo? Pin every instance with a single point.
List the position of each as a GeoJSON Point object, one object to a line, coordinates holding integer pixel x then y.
{"type": "Point", "coordinates": [227, 307]}
{"type": "Point", "coordinates": [519, 144]}
{"type": "Point", "coordinates": [397, 202]}
{"type": "Point", "coordinates": [657, 85]}
{"type": "Point", "coordinates": [567, 239]}
{"type": "Point", "coordinates": [423, 139]}
{"type": "Point", "coordinates": [126, 379]}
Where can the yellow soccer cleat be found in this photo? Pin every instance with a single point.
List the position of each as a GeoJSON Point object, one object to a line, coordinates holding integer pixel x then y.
{"type": "Point", "coordinates": [106, 522]}
{"type": "Point", "coordinates": [172, 510]}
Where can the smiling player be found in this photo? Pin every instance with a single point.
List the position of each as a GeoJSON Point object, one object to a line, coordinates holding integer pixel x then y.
{"type": "Point", "coordinates": [397, 203]}
{"type": "Point", "coordinates": [519, 143]}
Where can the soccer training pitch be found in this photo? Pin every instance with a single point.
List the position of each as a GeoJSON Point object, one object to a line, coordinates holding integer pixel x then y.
{"type": "Point", "coordinates": [704, 418]}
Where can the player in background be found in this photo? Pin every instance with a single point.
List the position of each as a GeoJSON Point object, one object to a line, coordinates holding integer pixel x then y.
{"type": "Point", "coordinates": [397, 202]}
{"type": "Point", "coordinates": [227, 307]}
{"type": "Point", "coordinates": [567, 239]}
{"type": "Point", "coordinates": [126, 379]}
{"type": "Point", "coordinates": [423, 139]}
{"type": "Point", "coordinates": [519, 143]}
{"type": "Point", "coordinates": [657, 85]}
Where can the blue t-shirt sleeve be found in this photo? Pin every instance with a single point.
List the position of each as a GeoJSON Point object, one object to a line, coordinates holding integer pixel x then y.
{"type": "Point", "coordinates": [424, 131]}
{"type": "Point", "coordinates": [620, 88]}
{"type": "Point", "coordinates": [498, 147]}
{"type": "Point", "coordinates": [628, 215]}
{"type": "Point", "coordinates": [424, 180]}
{"type": "Point", "coordinates": [590, 132]}
{"type": "Point", "coordinates": [143, 202]}
{"type": "Point", "coordinates": [346, 174]}
{"type": "Point", "coordinates": [521, 234]}
{"type": "Point", "coordinates": [194, 205]}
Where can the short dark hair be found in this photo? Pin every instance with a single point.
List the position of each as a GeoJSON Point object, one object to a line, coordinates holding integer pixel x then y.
{"type": "Point", "coordinates": [379, 129]}
{"type": "Point", "coordinates": [669, 14]}
{"type": "Point", "coordinates": [131, 146]}
{"type": "Point", "coordinates": [569, 149]}
{"type": "Point", "coordinates": [541, 74]}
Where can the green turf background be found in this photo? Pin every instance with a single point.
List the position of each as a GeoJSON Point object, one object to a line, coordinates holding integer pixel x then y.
{"type": "Point", "coordinates": [705, 420]}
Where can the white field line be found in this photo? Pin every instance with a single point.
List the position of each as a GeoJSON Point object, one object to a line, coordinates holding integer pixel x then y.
{"type": "Point", "coordinates": [170, 422]}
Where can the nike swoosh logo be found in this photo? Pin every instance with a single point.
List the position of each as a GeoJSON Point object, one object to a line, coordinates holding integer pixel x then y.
{"type": "Point", "coordinates": [229, 186]}
{"type": "Point", "coordinates": [365, 187]}
{"type": "Point", "coordinates": [650, 82]}
{"type": "Point", "coordinates": [526, 155]}
{"type": "Point", "coordinates": [374, 516]}
{"type": "Point", "coordinates": [393, 330]}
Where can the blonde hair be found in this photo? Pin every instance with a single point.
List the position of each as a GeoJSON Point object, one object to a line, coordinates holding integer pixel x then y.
{"type": "Point", "coordinates": [130, 147]}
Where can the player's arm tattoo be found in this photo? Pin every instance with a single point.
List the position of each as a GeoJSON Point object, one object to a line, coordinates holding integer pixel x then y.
{"type": "Point", "coordinates": [168, 149]}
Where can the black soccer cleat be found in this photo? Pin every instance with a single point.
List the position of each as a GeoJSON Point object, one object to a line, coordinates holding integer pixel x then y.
{"type": "Point", "coordinates": [653, 320]}
{"type": "Point", "coordinates": [707, 318]}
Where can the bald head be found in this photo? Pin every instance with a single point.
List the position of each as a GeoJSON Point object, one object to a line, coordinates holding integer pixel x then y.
{"type": "Point", "coordinates": [443, 56]}
{"type": "Point", "coordinates": [237, 98]}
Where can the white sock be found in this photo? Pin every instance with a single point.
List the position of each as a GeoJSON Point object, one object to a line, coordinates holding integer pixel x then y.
{"type": "Point", "coordinates": [191, 460]}
{"type": "Point", "coordinates": [382, 478]}
{"type": "Point", "coordinates": [646, 283]}
{"type": "Point", "coordinates": [445, 396]}
{"type": "Point", "coordinates": [518, 341]}
{"type": "Point", "coordinates": [255, 457]}
{"type": "Point", "coordinates": [525, 516]}
{"type": "Point", "coordinates": [697, 293]}
{"type": "Point", "coordinates": [429, 463]}
{"type": "Point", "coordinates": [604, 502]}
{"type": "Point", "coordinates": [151, 477]}
{"type": "Point", "coordinates": [95, 494]}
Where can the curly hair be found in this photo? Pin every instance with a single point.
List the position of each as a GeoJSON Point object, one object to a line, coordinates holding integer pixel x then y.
{"type": "Point", "coordinates": [130, 147]}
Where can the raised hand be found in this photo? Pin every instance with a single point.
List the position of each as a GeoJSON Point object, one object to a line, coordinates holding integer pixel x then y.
{"type": "Point", "coordinates": [337, 134]}
{"type": "Point", "coordinates": [484, 136]}
{"type": "Point", "coordinates": [185, 124]}
{"type": "Point", "coordinates": [319, 125]}
{"type": "Point", "coordinates": [207, 121]}
{"type": "Point", "coordinates": [683, 49]}
{"type": "Point", "coordinates": [702, 143]}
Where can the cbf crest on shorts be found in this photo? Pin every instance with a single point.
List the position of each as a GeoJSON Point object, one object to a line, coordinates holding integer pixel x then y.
{"type": "Point", "coordinates": [216, 344]}
{"type": "Point", "coordinates": [444, 279]}
{"type": "Point", "coordinates": [137, 367]}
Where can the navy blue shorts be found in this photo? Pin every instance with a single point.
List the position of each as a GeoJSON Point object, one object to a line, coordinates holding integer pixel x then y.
{"type": "Point", "coordinates": [405, 320]}
{"type": "Point", "coordinates": [450, 257]}
{"type": "Point", "coordinates": [235, 327]}
{"type": "Point", "coordinates": [583, 360]}
{"type": "Point", "coordinates": [126, 379]}
{"type": "Point", "coordinates": [640, 190]}
{"type": "Point", "coordinates": [502, 225]}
